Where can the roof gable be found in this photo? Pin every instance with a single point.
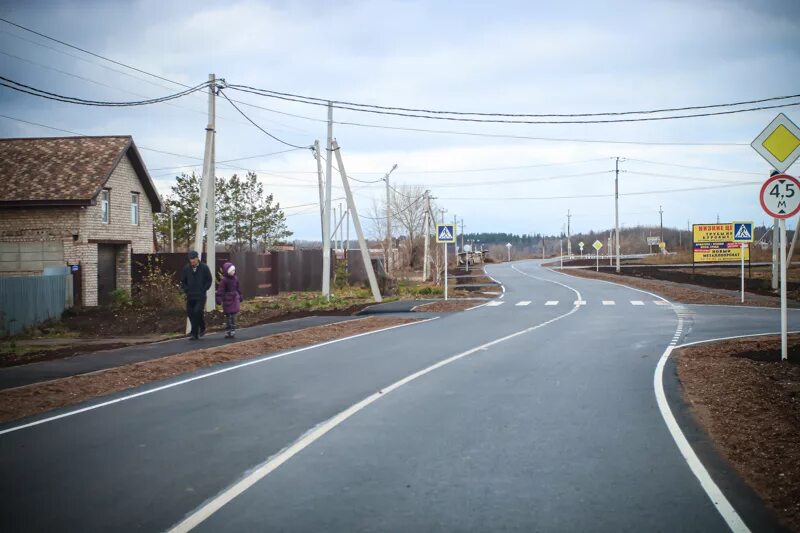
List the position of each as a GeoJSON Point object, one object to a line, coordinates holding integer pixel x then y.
{"type": "Point", "coordinates": [62, 171]}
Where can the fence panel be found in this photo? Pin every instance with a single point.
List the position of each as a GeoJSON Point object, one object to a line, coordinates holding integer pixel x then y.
{"type": "Point", "coordinates": [29, 300]}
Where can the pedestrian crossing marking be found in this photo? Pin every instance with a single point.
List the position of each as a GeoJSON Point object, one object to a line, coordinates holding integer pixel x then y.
{"type": "Point", "coordinates": [609, 302]}
{"type": "Point", "coordinates": [523, 302]}
{"type": "Point", "coordinates": [637, 302]}
{"type": "Point", "coordinates": [660, 302]}
{"type": "Point", "coordinates": [551, 302]}
{"type": "Point", "coordinates": [495, 303]}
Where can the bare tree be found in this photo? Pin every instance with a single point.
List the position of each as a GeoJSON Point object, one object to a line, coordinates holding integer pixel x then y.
{"type": "Point", "coordinates": [408, 207]}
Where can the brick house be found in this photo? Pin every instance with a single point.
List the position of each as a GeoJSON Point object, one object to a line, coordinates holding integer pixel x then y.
{"type": "Point", "coordinates": [85, 201]}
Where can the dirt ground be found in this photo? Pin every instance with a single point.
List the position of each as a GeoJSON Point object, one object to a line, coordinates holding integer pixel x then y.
{"type": "Point", "coordinates": [678, 292]}
{"type": "Point", "coordinates": [38, 398]}
{"type": "Point", "coordinates": [449, 306]}
{"type": "Point", "coordinates": [749, 403]}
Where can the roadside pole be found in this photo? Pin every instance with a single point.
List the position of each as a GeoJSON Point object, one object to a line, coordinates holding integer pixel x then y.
{"type": "Point", "coordinates": [326, 215]}
{"type": "Point", "coordinates": [561, 254]}
{"type": "Point", "coordinates": [743, 249]}
{"type": "Point", "coordinates": [445, 270]}
{"type": "Point", "coordinates": [597, 257]}
{"type": "Point", "coordinates": [784, 312]}
{"type": "Point", "coordinates": [775, 243]}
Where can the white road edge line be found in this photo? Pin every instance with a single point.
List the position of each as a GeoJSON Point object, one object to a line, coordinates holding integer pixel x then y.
{"type": "Point", "coordinates": [502, 287]}
{"type": "Point", "coordinates": [723, 506]}
{"type": "Point", "coordinates": [695, 343]}
{"type": "Point", "coordinates": [204, 376]}
{"type": "Point", "coordinates": [213, 505]}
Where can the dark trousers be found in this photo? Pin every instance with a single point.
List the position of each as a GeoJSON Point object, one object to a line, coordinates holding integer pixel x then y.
{"type": "Point", "coordinates": [230, 323]}
{"type": "Point", "coordinates": [195, 308]}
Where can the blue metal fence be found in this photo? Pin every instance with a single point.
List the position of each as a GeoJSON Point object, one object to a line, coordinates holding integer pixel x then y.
{"type": "Point", "coordinates": [29, 300]}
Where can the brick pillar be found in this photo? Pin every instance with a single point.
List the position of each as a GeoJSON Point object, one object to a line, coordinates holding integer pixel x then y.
{"type": "Point", "coordinates": [124, 267]}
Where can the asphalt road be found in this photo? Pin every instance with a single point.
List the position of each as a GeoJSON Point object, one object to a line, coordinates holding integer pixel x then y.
{"type": "Point", "coordinates": [511, 416]}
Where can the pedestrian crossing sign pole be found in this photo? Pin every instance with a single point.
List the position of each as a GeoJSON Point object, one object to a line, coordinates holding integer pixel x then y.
{"type": "Point", "coordinates": [445, 234]}
{"type": "Point", "coordinates": [743, 233]}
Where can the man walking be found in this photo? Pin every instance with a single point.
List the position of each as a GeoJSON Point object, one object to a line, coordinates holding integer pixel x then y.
{"type": "Point", "coordinates": [195, 282]}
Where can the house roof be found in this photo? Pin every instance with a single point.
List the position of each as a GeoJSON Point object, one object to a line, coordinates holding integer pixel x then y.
{"type": "Point", "coordinates": [63, 171]}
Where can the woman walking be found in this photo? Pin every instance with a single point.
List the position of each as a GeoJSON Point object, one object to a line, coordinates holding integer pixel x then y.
{"type": "Point", "coordinates": [229, 295]}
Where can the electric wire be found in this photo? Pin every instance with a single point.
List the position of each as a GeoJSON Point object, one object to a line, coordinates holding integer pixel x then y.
{"type": "Point", "coordinates": [251, 121]}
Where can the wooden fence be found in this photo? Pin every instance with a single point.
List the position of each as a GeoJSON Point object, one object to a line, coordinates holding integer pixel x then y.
{"type": "Point", "coordinates": [256, 272]}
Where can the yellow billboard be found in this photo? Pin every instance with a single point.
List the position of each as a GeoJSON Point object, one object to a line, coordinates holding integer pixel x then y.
{"type": "Point", "coordinates": [720, 251]}
{"type": "Point", "coordinates": [713, 232]}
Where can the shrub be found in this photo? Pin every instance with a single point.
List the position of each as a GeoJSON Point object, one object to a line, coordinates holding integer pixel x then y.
{"type": "Point", "coordinates": [158, 289]}
{"type": "Point", "coordinates": [120, 298]}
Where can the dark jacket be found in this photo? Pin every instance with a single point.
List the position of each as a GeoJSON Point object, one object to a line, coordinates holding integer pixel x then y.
{"type": "Point", "coordinates": [229, 294]}
{"type": "Point", "coordinates": [195, 284]}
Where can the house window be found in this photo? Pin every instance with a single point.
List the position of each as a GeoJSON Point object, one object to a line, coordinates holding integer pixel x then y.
{"type": "Point", "coordinates": [135, 208]}
{"type": "Point", "coordinates": [104, 206]}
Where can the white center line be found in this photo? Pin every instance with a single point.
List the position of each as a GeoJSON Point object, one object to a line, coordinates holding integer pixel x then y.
{"type": "Point", "coordinates": [551, 302]}
{"type": "Point", "coordinates": [637, 302]}
{"type": "Point", "coordinates": [609, 302]}
{"type": "Point", "coordinates": [523, 303]}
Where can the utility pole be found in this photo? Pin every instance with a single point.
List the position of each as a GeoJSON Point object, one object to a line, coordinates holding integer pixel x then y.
{"type": "Point", "coordinates": [661, 218]}
{"type": "Point", "coordinates": [326, 216]}
{"type": "Point", "coordinates": [455, 241]}
{"type": "Point", "coordinates": [347, 233]}
{"type": "Point", "coordinates": [171, 234]}
{"type": "Point", "coordinates": [616, 210]}
{"type": "Point", "coordinates": [388, 218]}
{"type": "Point", "coordinates": [317, 156]}
{"type": "Point", "coordinates": [341, 218]}
{"type": "Point", "coordinates": [569, 240]}
{"type": "Point", "coordinates": [362, 243]}
{"type": "Point", "coordinates": [427, 231]}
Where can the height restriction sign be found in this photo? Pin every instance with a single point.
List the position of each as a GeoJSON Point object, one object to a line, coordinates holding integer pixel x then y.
{"type": "Point", "coordinates": [780, 196]}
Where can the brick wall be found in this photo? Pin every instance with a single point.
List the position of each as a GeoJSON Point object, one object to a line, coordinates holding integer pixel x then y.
{"type": "Point", "coordinates": [76, 226]}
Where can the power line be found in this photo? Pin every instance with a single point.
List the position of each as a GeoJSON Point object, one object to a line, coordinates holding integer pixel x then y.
{"type": "Point", "coordinates": [259, 127]}
{"type": "Point", "coordinates": [23, 88]}
{"type": "Point", "coordinates": [324, 101]}
{"type": "Point", "coordinates": [90, 53]}
{"type": "Point", "coordinates": [572, 197]}
{"type": "Point", "coordinates": [509, 121]}
{"type": "Point", "coordinates": [728, 171]}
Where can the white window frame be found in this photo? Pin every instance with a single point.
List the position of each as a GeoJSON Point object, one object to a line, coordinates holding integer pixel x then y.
{"type": "Point", "coordinates": [105, 206]}
{"type": "Point", "coordinates": [135, 203]}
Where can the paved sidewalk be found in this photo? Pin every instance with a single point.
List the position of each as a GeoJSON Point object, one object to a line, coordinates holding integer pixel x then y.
{"type": "Point", "coordinates": [17, 376]}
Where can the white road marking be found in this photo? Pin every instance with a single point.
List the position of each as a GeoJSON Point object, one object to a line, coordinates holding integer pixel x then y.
{"type": "Point", "coordinates": [609, 302]}
{"type": "Point", "coordinates": [215, 504]}
{"type": "Point", "coordinates": [523, 303]}
{"type": "Point", "coordinates": [494, 303]}
{"type": "Point", "coordinates": [729, 514]}
{"type": "Point", "coordinates": [579, 302]}
{"type": "Point", "coordinates": [204, 376]}
{"type": "Point", "coordinates": [660, 302]}
{"type": "Point", "coordinates": [637, 302]}
{"type": "Point", "coordinates": [551, 302]}
{"type": "Point", "coordinates": [723, 506]}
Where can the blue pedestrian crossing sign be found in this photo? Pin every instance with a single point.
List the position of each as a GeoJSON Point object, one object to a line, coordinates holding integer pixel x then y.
{"type": "Point", "coordinates": [742, 232]}
{"type": "Point", "coordinates": [446, 233]}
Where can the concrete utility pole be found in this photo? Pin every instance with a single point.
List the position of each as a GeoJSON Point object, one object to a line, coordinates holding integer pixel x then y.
{"type": "Point", "coordinates": [341, 218]}
{"type": "Point", "coordinates": [211, 238]}
{"type": "Point", "coordinates": [317, 156]}
{"type": "Point", "coordinates": [172, 234]}
{"type": "Point", "coordinates": [388, 219]}
{"type": "Point", "coordinates": [616, 210]}
{"type": "Point", "coordinates": [362, 243]}
{"type": "Point", "coordinates": [427, 232]}
{"type": "Point", "coordinates": [326, 216]}
{"type": "Point", "coordinates": [569, 240]}
{"type": "Point", "coordinates": [661, 218]}
{"type": "Point", "coordinates": [455, 241]}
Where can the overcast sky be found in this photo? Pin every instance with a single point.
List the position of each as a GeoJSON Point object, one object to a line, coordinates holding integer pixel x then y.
{"type": "Point", "coordinates": [500, 57]}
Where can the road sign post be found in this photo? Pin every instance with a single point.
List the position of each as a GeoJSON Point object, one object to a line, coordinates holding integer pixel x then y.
{"type": "Point", "coordinates": [780, 198]}
{"type": "Point", "coordinates": [743, 233]}
{"type": "Point", "coordinates": [597, 245]}
{"type": "Point", "coordinates": [446, 234]}
{"type": "Point", "coordinates": [508, 247]}
{"type": "Point", "coordinates": [580, 245]}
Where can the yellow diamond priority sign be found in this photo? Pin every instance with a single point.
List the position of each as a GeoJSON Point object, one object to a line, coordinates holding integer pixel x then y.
{"type": "Point", "coordinates": [779, 143]}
